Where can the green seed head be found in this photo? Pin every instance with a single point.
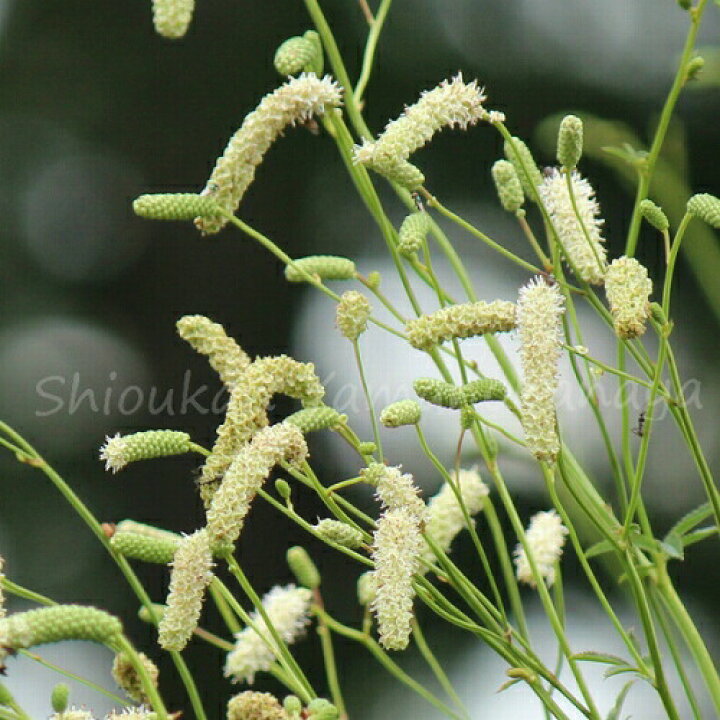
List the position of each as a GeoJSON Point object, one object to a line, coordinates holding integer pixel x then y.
{"type": "Point", "coordinates": [340, 533]}
{"type": "Point", "coordinates": [403, 412]}
{"type": "Point", "coordinates": [446, 395]}
{"type": "Point", "coordinates": [58, 623]}
{"type": "Point", "coordinates": [316, 418]}
{"type": "Point", "coordinates": [706, 207]}
{"type": "Point", "coordinates": [570, 142]}
{"type": "Point", "coordinates": [352, 314]}
{"type": "Point", "coordinates": [152, 548]}
{"type": "Point", "coordinates": [508, 186]}
{"type": "Point", "coordinates": [412, 233]}
{"type": "Point", "coordinates": [326, 267]}
{"type": "Point", "coordinates": [527, 170]}
{"type": "Point", "coordinates": [654, 215]}
{"type": "Point", "coordinates": [294, 56]}
{"type": "Point", "coordinates": [173, 206]}
{"type": "Point", "coordinates": [303, 567]}
{"type": "Point", "coordinates": [118, 451]}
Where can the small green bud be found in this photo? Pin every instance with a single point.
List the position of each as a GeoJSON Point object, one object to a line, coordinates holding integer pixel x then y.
{"type": "Point", "coordinates": [367, 448]}
{"type": "Point", "coordinates": [508, 186]}
{"type": "Point", "coordinates": [657, 313]}
{"type": "Point", "coordinates": [119, 451]}
{"type": "Point", "coordinates": [321, 709]}
{"type": "Point", "coordinates": [303, 567]}
{"type": "Point", "coordinates": [158, 609]}
{"type": "Point", "coordinates": [292, 705]}
{"type": "Point", "coordinates": [694, 68]}
{"type": "Point", "coordinates": [446, 395]}
{"type": "Point", "coordinates": [6, 697]}
{"type": "Point", "coordinates": [570, 142]}
{"type": "Point", "coordinates": [467, 417]}
{"type": "Point", "coordinates": [685, 4]}
{"type": "Point", "coordinates": [373, 280]}
{"type": "Point", "coordinates": [174, 206]}
{"type": "Point", "coordinates": [520, 156]}
{"type": "Point", "coordinates": [366, 588]}
{"type": "Point", "coordinates": [654, 215]}
{"type": "Point", "coordinates": [403, 412]}
{"type": "Point", "coordinates": [326, 267]}
{"type": "Point", "coordinates": [295, 55]}
{"type": "Point", "coordinates": [352, 314]}
{"type": "Point", "coordinates": [316, 418]}
{"type": "Point", "coordinates": [522, 674]}
{"type": "Point", "coordinates": [340, 533]}
{"type": "Point", "coordinates": [706, 207]}
{"type": "Point", "coordinates": [282, 487]}
{"type": "Point", "coordinates": [413, 231]}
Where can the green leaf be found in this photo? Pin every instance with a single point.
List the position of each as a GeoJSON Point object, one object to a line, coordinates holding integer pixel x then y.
{"type": "Point", "coordinates": [687, 522]}
{"type": "Point", "coordinates": [697, 535]}
{"type": "Point", "coordinates": [673, 546]}
{"type": "Point", "coordinates": [599, 548]}
{"type": "Point", "coordinates": [614, 713]}
{"type": "Point", "coordinates": [622, 669]}
{"type": "Point", "coordinates": [607, 658]}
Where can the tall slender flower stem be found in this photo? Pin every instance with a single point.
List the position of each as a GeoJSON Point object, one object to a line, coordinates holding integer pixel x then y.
{"type": "Point", "coordinates": [376, 27]}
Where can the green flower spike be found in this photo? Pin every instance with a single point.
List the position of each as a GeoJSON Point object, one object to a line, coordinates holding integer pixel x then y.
{"type": "Point", "coordinates": [413, 231]}
{"type": "Point", "coordinates": [706, 207]}
{"type": "Point", "coordinates": [173, 206]}
{"type": "Point", "coordinates": [654, 215]}
{"type": "Point", "coordinates": [326, 267]}
{"type": "Point", "coordinates": [316, 418]}
{"type": "Point", "coordinates": [403, 412]}
{"type": "Point", "coordinates": [303, 567]}
{"type": "Point", "coordinates": [570, 142]}
{"type": "Point", "coordinates": [508, 186]}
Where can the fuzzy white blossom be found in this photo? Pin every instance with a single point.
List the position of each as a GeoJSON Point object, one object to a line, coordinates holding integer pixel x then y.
{"type": "Point", "coordinates": [628, 289]}
{"type": "Point", "coordinates": [395, 489]}
{"type": "Point", "coordinates": [587, 253]}
{"type": "Point", "coordinates": [191, 574]}
{"type": "Point", "coordinates": [3, 609]}
{"type": "Point", "coordinates": [246, 475]}
{"type": "Point", "coordinates": [73, 713]}
{"type": "Point", "coordinates": [133, 713]}
{"type": "Point", "coordinates": [452, 103]}
{"type": "Point", "coordinates": [397, 548]}
{"type": "Point", "coordinates": [445, 517]}
{"type": "Point", "coordinates": [172, 17]}
{"type": "Point", "coordinates": [539, 311]}
{"type": "Point", "coordinates": [288, 609]}
{"type": "Point", "coordinates": [294, 102]}
{"type": "Point", "coordinates": [545, 538]}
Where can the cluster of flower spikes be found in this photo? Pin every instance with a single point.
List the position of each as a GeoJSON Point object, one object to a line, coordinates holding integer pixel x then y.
{"type": "Point", "coordinates": [247, 409]}
{"type": "Point", "coordinates": [452, 103]}
{"type": "Point", "coordinates": [295, 101]}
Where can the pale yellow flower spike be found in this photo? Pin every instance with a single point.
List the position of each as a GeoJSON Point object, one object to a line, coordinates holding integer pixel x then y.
{"type": "Point", "coordinates": [246, 475]}
{"type": "Point", "coordinates": [545, 538]}
{"type": "Point", "coordinates": [172, 17]}
{"type": "Point", "coordinates": [208, 338]}
{"type": "Point", "coordinates": [540, 308]}
{"type": "Point", "coordinates": [191, 574]}
{"type": "Point", "coordinates": [398, 544]}
{"type": "Point", "coordinates": [586, 252]}
{"type": "Point", "coordinates": [294, 102]}
{"type": "Point", "coordinates": [247, 410]}
{"type": "Point", "coordinates": [628, 289]}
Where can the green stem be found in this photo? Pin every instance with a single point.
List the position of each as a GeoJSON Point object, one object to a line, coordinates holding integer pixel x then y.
{"type": "Point", "coordinates": [648, 169]}
{"type": "Point", "coordinates": [370, 47]}
{"type": "Point", "coordinates": [368, 397]}
{"type": "Point", "coordinates": [329, 657]}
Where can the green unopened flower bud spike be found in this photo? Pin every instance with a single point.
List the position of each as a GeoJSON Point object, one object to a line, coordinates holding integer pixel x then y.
{"type": "Point", "coordinates": [657, 218]}
{"type": "Point", "coordinates": [340, 533]}
{"type": "Point", "coordinates": [174, 206]}
{"type": "Point", "coordinates": [412, 234]}
{"type": "Point", "coordinates": [316, 418]}
{"type": "Point", "coordinates": [508, 186]}
{"type": "Point", "coordinates": [119, 451]}
{"type": "Point", "coordinates": [403, 412]}
{"type": "Point", "coordinates": [300, 54]}
{"type": "Point", "coordinates": [705, 207]}
{"type": "Point", "coordinates": [570, 142]}
{"type": "Point", "coordinates": [457, 397]}
{"type": "Point", "coordinates": [518, 153]}
{"type": "Point", "coordinates": [303, 568]}
{"type": "Point", "coordinates": [325, 267]}
{"type": "Point", "coordinates": [59, 697]}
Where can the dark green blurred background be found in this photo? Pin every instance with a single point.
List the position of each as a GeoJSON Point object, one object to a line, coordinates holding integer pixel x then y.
{"type": "Point", "coordinates": [95, 109]}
